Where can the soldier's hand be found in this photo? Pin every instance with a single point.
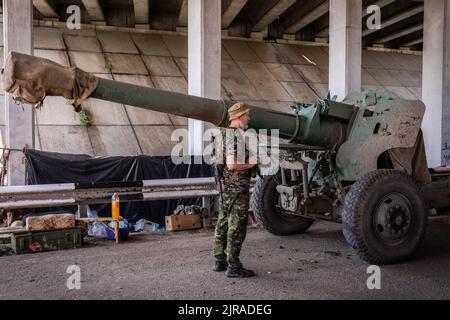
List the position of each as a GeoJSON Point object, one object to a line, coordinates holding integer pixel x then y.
{"type": "Point", "coordinates": [255, 172]}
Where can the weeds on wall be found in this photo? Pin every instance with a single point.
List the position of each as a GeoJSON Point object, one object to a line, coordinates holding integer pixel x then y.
{"type": "Point", "coordinates": [84, 117]}
{"type": "Point", "coordinates": [108, 65]}
{"type": "Point", "coordinates": [228, 94]}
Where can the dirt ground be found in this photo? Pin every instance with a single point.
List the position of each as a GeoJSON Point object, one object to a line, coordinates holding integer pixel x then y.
{"type": "Point", "coordinates": [316, 265]}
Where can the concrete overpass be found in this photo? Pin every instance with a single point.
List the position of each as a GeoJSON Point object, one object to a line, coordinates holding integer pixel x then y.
{"type": "Point", "coordinates": [402, 21]}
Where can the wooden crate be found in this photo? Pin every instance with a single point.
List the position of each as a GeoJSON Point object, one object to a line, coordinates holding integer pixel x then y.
{"type": "Point", "coordinates": [50, 222]}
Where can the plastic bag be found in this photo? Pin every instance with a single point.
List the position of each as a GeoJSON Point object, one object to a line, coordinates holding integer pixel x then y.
{"type": "Point", "coordinates": [123, 224]}
{"type": "Point", "coordinates": [95, 229]}
{"type": "Point", "coordinates": [124, 230]}
{"type": "Point", "coordinates": [145, 225]}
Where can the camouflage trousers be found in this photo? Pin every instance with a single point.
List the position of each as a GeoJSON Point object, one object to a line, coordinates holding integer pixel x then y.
{"type": "Point", "coordinates": [231, 227]}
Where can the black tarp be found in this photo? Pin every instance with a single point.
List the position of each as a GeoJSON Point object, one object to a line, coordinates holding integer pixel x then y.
{"type": "Point", "coordinates": [52, 168]}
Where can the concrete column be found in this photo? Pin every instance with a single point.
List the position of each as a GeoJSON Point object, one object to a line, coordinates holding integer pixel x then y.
{"type": "Point", "coordinates": [141, 13]}
{"type": "Point", "coordinates": [94, 11]}
{"type": "Point", "coordinates": [345, 47]}
{"type": "Point", "coordinates": [18, 36]}
{"type": "Point", "coordinates": [204, 29]}
{"type": "Point", "coordinates": [436, 82]}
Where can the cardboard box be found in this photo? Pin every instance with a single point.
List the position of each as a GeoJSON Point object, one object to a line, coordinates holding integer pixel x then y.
{"type": "Point", "coordinates": [187, 222]}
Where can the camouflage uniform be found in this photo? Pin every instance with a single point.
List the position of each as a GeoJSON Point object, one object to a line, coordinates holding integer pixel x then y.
{"type": "Point", "coordinates": [231, 226]}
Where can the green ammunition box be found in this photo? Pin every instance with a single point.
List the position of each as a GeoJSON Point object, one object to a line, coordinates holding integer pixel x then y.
{"type": "Point", "coordinates": [46, 241]}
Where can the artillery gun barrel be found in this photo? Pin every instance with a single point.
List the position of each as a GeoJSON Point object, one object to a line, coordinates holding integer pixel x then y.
{"type": "Point", "coordinates": [323, 124]}
{"type": "Point", "coordinates": [291, 126]}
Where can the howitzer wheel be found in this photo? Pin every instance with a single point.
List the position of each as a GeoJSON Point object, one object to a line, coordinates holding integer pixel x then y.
{"type": "Point", "coordinates": [264, 203]}
{"type": "Point", "coordinates": [384, 217]}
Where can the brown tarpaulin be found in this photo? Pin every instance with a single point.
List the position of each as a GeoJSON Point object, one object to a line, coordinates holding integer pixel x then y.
{"type": "Point", "coordinates": [30, 79]}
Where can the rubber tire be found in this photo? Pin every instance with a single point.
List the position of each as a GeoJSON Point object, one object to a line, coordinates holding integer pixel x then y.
{"type": "Point", "coordinates": [357, 217]}
{"type": "Point", "coordinates": [263, 206]}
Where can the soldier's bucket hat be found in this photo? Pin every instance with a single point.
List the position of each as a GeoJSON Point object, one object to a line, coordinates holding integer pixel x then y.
{"type": "Point", "coordinates": [237, 110]}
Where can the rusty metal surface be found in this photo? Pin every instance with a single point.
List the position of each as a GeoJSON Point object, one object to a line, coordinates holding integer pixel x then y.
{"type": "Point", "coordinates": [394, 123]}
{"type": "Point", "coordinates": [39, 196]}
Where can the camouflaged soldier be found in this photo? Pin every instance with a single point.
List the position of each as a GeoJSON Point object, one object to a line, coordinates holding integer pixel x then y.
{"type": "Point", "coordinates": [235, 176]}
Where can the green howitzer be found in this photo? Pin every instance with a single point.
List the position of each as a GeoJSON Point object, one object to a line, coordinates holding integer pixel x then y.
{"type": "Point", "coordinates": [360, 161]}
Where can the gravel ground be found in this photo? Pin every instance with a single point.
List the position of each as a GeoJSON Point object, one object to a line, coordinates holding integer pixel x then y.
{"type": "Point", "coordinates": [316, 265]}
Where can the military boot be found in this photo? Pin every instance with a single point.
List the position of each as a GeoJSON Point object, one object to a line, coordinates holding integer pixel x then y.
{"type": "Point", "coordinates": [220, 265]}
{"type": "Point", "coordinates": [238, 272]}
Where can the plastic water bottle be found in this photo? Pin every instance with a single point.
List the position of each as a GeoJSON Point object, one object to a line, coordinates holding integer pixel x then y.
{"type": "Point", "coordinates": [115, 207]}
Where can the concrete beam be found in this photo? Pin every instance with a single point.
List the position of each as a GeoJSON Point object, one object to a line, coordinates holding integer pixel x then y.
{"type": "Point", "coordinates": [324, 33]}
{"type": "Point", "coordinates": [183, 16]}
{"type": "Point", "coordinates": [345, 47]}
{"type": "Point", "coordinates": [141, 13]}
{"type": "Point", "coordinates": [399, 34]}
{"type": "Point", "coordinates": [395, 19]}
{"type": "Point", "coordinates": [232, 11]}
{"type": "Point", "coordinates": [18, 36]}
{"type": "Point", "coordinates": [95, 11]}
{"type": "Point", "coordinates": [319, 25]}
{"type": "Point", "coordinates": [270, 16]}
{"type": "Point", "coordinates": [45, 8]}
{"type": "Point", "coordinates": [204, 60]}
{"type": "Point", "coordinates": [412, 42]}
{"type": "Point", "coordinates": [313, 15]}
{"type": "Point", "coordinates": [436, 82]}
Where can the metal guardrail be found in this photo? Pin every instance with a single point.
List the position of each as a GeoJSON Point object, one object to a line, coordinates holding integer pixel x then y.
{"type": "Point", "coordinates": [39, 196]}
